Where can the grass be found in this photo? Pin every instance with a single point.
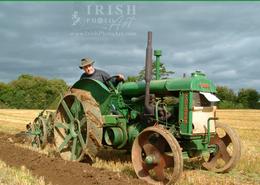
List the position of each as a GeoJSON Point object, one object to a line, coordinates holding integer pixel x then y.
{"type": "Point", "coordinates": [245, 122]}
{"type": "Point", "coordinates": [15, 176]}
{"type": "Point", "coordinates": [15, 120]}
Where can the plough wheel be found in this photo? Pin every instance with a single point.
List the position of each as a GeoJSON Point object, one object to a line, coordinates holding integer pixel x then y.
{"type": "Point", "coordinates": [78, 126]}
{"type": "Point", "coordinates": [157, 156]}
{"type": "Point", "coordinates": [39, 127]}
{"type": "Point", "coordinates": [228, 150]}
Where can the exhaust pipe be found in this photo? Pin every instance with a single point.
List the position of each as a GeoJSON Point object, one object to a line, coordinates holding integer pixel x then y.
{"type": "Point", "coordinates": [149, 109]}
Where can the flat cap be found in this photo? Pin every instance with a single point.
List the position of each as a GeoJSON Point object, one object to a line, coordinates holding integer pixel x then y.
{"type": "Point", "coordinates": [86, 61]}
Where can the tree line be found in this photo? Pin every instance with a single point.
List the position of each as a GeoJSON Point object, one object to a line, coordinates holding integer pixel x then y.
{"type": "Point", "coordinates": [31, 92]}
{"type": "Point", "coordinates": [34, 92]}
{"type": "Point", "coordinates": [245, 98]}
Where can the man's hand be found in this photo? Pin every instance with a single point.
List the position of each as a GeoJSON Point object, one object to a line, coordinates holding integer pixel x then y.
{"type": "Point", "coordinates": [120, 77]}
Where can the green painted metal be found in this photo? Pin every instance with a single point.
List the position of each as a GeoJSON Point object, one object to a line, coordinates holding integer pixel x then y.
{"type": "Point", "coordinates": [109, 100]}
{"type": "Point", "coordinates": [197, 144]}
{"type": "Point", "coordinates": [157, 54]}
{"type": "Point", "coordinates": [62, 125]}
{"type": "Point", "coordinates": [73, 151]}
{"type": "Point", "coordinates": [72, 127]}
{"type": "Point", "coordinates": [133, 114]}
{"type": "Point", "coordinates": [98, 90]}
{"type": "Point", "coordinates": [110, 120]}
{"type": "Point", "coordinates": [212, 149]}
{"type": "Point", "coordinates": [41, 129]}
{"type": "Point", "coordinates": [65, 142]}
{"type": "Point", "coordinates": [114, 136]}
{"type": "Point", "coordinates": [67, 110]}
{"type": "Point", "coordinates": [197, 82]}
{"type": "Point", "coordinates": [36, 132]}
{"type": "Point", "coordinates": [194, 146]}
{"type": "Point", "coordinates": [208, 130]}
{"type": "Point", "coordinates": [134, 130]}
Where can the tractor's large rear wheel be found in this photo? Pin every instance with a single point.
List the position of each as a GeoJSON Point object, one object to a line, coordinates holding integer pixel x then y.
{"type": "Point", "coordinates": [228, 151]}
{"type": "Point", "coordinates": [157, 156]}
{"type": "Point", "coordinates": [78, 126]}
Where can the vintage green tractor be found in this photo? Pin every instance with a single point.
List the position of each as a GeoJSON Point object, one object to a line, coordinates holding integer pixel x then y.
{"type": "Point", "coordinates": [161, 121]}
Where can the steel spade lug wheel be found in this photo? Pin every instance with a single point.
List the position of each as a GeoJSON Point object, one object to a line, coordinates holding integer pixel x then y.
{"type": "Point", "coordinates": [78, 126]}
{"type": "Point", "coordinates": [228, 150]}
{"type": "Point", "coordinates": [39, 128]}
{"type": "Point", "coordinates": [157, 156]}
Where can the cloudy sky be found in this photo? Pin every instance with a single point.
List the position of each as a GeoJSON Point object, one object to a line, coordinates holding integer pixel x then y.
{"type": "Point", "coordinates": [49, 39]}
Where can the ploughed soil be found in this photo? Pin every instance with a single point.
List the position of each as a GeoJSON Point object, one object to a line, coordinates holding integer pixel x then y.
{"type": "Point", "coordinates": [54, 169]}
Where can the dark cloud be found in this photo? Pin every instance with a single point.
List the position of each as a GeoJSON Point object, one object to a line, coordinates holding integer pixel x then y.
{"type": "Point", "coordinates": [220, 39]}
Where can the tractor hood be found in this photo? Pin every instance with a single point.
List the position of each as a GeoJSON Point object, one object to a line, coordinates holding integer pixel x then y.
{"type": "Point", "coordinates": [197, 82]}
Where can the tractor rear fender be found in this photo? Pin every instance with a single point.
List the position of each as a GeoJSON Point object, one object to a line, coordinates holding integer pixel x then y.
{"type": "Point", "coordinates": [97, 89]}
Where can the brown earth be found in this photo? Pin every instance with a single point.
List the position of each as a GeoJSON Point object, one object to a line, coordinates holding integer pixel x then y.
{"type": "Point", "coordinates": [54, 169]}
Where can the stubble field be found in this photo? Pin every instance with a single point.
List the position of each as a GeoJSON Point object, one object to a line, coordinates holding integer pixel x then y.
{"type": "Point", "coordinates": [116, 168]}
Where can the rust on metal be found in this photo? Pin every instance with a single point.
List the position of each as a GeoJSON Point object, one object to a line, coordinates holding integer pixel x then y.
{"type": "Point", "coordinates": [206, 86]}
{"type": "Point", "coordinates": [186, 108]}
{"type": "Point", "coordinates": [93, 137]}
{"type": "Point", "coordinates": [229, 150]}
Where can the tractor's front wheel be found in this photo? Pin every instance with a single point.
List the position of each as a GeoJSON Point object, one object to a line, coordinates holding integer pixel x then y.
{"type": "Point", "coordinates": [228, 151]}
{"type": "Point", "coordinates": [157, 156]}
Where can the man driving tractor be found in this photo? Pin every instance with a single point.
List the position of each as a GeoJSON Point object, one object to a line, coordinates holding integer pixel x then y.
{"type": "Point", "coordinates": [96, 74]}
